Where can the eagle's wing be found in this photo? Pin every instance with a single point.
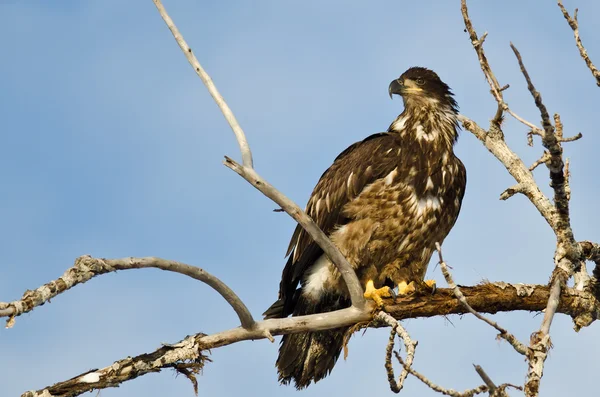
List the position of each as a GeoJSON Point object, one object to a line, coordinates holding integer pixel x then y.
{"type": "Point", "coordinates": [355, 168]}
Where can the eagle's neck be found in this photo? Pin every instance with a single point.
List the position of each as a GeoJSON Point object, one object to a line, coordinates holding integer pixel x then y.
{"type": "Point", "coordinates": [430, 126]}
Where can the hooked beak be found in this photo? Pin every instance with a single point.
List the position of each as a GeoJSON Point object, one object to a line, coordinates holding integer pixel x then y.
{"type": "Point", "coordinates": [396, 87]}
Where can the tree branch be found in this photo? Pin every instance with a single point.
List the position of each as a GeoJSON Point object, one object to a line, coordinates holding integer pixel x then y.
{"type": "Point", "coordinates": [354, 288]}
{"type": "Point", "coordinates": [504, 334]}
{"type": "Point", "coordinates": [86, 268]}
{"type": "Point", "coordinates": [248, 173]}
{"type": "Point", "coordinates": [484, 298]}
{"type": "Point", "coordinates": [409, 344]}
{"type": "Point", "coordinates": [437, 388]}
{"type": "Point", "coordinates": [206, 79]}
{"type": "Point", "coordinates": [574, 24]}
{"type": "Point", "coordinates": [496, 144]}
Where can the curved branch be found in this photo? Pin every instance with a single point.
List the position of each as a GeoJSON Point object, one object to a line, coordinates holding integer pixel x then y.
{"type": "Point", "coordinates": [485, 298]}
{"type": "Point", "coordinates": [409, 344]}
{"type": "Point", "coordinates": [354, 288]}
{"type": "Point", "coordinates": [86, 267]}
{"type": "Point", "coordinates": [233, 123]}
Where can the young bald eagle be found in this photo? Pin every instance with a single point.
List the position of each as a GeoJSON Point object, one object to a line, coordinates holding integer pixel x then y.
{"type": "Point", "coordinates": [384, 202]}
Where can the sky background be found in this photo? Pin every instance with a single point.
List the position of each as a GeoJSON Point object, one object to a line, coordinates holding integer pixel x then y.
{"type": "Point", "coordinates": [112, 147]}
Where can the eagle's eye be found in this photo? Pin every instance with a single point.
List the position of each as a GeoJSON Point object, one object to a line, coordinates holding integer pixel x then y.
{"type": "Point", "coordinates": [420, 81]}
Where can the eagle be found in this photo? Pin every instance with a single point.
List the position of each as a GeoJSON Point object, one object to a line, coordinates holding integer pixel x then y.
{"type": "Point", "coordinates": [384, 202]}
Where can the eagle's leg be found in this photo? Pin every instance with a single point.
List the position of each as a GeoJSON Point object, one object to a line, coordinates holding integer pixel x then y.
{"type": "Point", "coordinates": [376, 294]}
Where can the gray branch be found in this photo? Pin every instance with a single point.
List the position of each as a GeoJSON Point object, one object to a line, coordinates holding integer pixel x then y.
{"type": "Point", "coordinates": [504, 334]}
{"type": "Point", "coordinates": [86, 267]}
{"type": "Point", "coordinates": [248, 173]}
{"type": "Point", "coordinates": [206, 79]}
{"type": "Point", "coordinates": [354, 288]}
{"type": "Point", "coordinates": [574, 24]}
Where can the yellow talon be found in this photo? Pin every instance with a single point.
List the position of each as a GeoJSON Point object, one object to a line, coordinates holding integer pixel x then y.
{"type": "Point", "coordinates": [405, 289]}
{"type": "Point", "coordinates": [376, 294]}
{"type": "Point", "coordinates": [431, 284]}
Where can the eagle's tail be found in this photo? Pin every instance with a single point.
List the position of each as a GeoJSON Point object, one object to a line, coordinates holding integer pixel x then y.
{"type": "Point", "coordinates": [310, 356]}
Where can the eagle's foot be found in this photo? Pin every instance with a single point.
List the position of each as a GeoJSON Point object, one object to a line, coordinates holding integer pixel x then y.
{"type": "Point", "coordinates": [376, 294]}
{"type": "Point", "coordinates": [431, 284]}
{"type": "Point", "coordinates": [405, 289]}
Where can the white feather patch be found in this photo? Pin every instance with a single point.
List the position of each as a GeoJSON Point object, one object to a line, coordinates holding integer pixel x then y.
{"type": "Point", "coordinates": [398, 124]}
{"type": "Point", "coordinates": [389, 179]}
{"type": "Point", "coordinates": [318, 276]}
{"type": "Point", "coordinates": [429, 184]}
{"type": "Point", "coordinates": [428, 203]}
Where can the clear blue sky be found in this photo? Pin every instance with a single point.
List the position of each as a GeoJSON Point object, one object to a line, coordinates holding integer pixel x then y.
{"type": "Point", "coordinates": [112, 147]}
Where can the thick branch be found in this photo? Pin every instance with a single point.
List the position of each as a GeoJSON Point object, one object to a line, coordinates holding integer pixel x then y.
{"type": "Point", "coordinates": [86, 267]}
{"type": "Point", "coordinates": [235, 126]}
{"type": "Point", "coordinates": [485, 298]}
{"type": "Point", "coordinates": [354, 288]}
{"type": "Point", "coordinates": [574, 24]}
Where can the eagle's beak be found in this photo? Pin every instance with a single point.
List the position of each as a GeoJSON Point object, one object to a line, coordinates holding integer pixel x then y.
{"type": "Point", "coordinates": [396, 87]}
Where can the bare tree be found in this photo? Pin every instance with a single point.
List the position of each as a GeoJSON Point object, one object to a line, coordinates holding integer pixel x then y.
{"type": "Point", "coordinates": [580, 302]}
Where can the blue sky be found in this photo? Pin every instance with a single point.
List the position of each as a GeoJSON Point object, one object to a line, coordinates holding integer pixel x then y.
{"type": "Point", "coordinates": [112, 147]}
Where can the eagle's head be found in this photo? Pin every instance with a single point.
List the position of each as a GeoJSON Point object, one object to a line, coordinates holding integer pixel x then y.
{"type": "Point", "coordinates": [422, 87]}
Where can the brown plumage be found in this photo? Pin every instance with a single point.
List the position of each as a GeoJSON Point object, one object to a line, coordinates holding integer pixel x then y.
{"type": "Point", "coordinates": [384, 202]}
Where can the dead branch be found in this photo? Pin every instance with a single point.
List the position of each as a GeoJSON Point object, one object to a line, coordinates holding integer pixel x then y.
{"type": "Point", "coordinates": [568, 253]}
{"type": "Point", "coordinates": [504, 334]}
{"type": "Point", "coordinates": [409, 344]}
{"type": "Point", "coordinates": [212, 89]}
{"type": "Point", "coordinates": [437, 388]}
{"type": "Point", "coordinates": [574, 24]}
{"type": "Point", "coordinates": [496, 144]}
{"type": "Point", "coordinates": [248, 173]}
{"type": "Point", "coordinates": [496, 89]}
{"type": "Point", "coordinates": [568, 257]}
{"type": "Point", "coordinates": [355, 289]}
{"type": "Point", "coordinates": [86, 268]}
{"type": "Point", "coordinates": [485, 298]}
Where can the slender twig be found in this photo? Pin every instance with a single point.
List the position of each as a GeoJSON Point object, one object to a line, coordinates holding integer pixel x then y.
{"type": "Point", "coordinates": [206, 79]}
{"type": "Point", "coordinates": [496, 89]}
{"type": "Point", "coordinates": [354, 288]}
{"type": "Point", "coordinates": [437, 388]}
{"type": "Point", "coordinates": [537, 97]}
{"type": "Point", "coordinates": [86, 267]}
{"type": "Point", "coordinates": [485, 298]}
{"type": "Point", "coordinates": [504, 334]}
{"type": "Point", "coordinates": [542, 160]}
{"type": "Point", "coordinates": [574, 24]}
{"type": "Point", "coordinates": [409, 344]}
